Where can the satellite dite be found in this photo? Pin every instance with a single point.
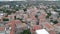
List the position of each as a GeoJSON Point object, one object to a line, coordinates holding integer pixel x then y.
{"type": "Point", "coordinates": [41, 31]}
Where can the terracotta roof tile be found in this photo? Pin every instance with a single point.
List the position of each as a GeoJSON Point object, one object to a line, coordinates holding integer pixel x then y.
{"type": "Point", "coordinates": [58, 24]}
{"type": "Point", "coordinates": [36, 27]}
{"type": "Point", "coordinates": [12, 32]}
{"type": "Point", "coordinates": [42, 16]}
{"type": "Point", "coordinates": [52, 32]}
{"type": "Point", "coordinates": [49, 26]}
{"type": "Point", "coordinates": [2, 28]}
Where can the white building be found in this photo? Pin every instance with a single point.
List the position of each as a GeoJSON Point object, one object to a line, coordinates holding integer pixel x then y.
{"type": "Point", "coordinates": [41, 31]}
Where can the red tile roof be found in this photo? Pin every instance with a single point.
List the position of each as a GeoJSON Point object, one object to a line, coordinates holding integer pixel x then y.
{"type": "Point", "coordinates": [12, 32]}
{"type": "Point", "coordinates": [42, 16]}
{"type": "Point", "coordinates": [17, 21]}
{"type": "Point", "coordinates": [12, 27]}
{"type": "Point", "coordinates": [2, 28]}
{"type": "Point", "coordinates": [32, 16]}
{"type": "Point", "coordinates": [58, 24]}
{"type": "Point", "coordinates": [36, 27]}
{"type": "Point", "coordinates": [49, 26]}
{"type": "Point", "coordinates": [52, 32]}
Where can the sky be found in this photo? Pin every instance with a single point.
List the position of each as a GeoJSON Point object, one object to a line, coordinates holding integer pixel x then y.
{"type": "Point", "coordinates": [29, 0]}
{"type": "Point", "coordinates": [12, 0]}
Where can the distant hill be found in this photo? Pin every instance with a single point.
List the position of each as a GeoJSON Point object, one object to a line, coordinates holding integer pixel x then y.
{"type": "Point", "coordinates": [32, 2]}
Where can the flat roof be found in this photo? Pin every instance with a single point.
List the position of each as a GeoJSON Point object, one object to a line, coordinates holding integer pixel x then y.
{"type": "Point", "coordinates": [41, 31]}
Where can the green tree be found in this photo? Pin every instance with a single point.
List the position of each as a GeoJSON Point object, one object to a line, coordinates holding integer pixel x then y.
{"type": "Point", "coordinates": [26, 32]}
{"type": "Point", "coordinates": [5, 19]}
{"type": "Point", "coordinates": [7, 11]}
{"type": "Point", "coordinates": [55, 22]}
{"type": "Point", "coordinates": [48, 14]}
